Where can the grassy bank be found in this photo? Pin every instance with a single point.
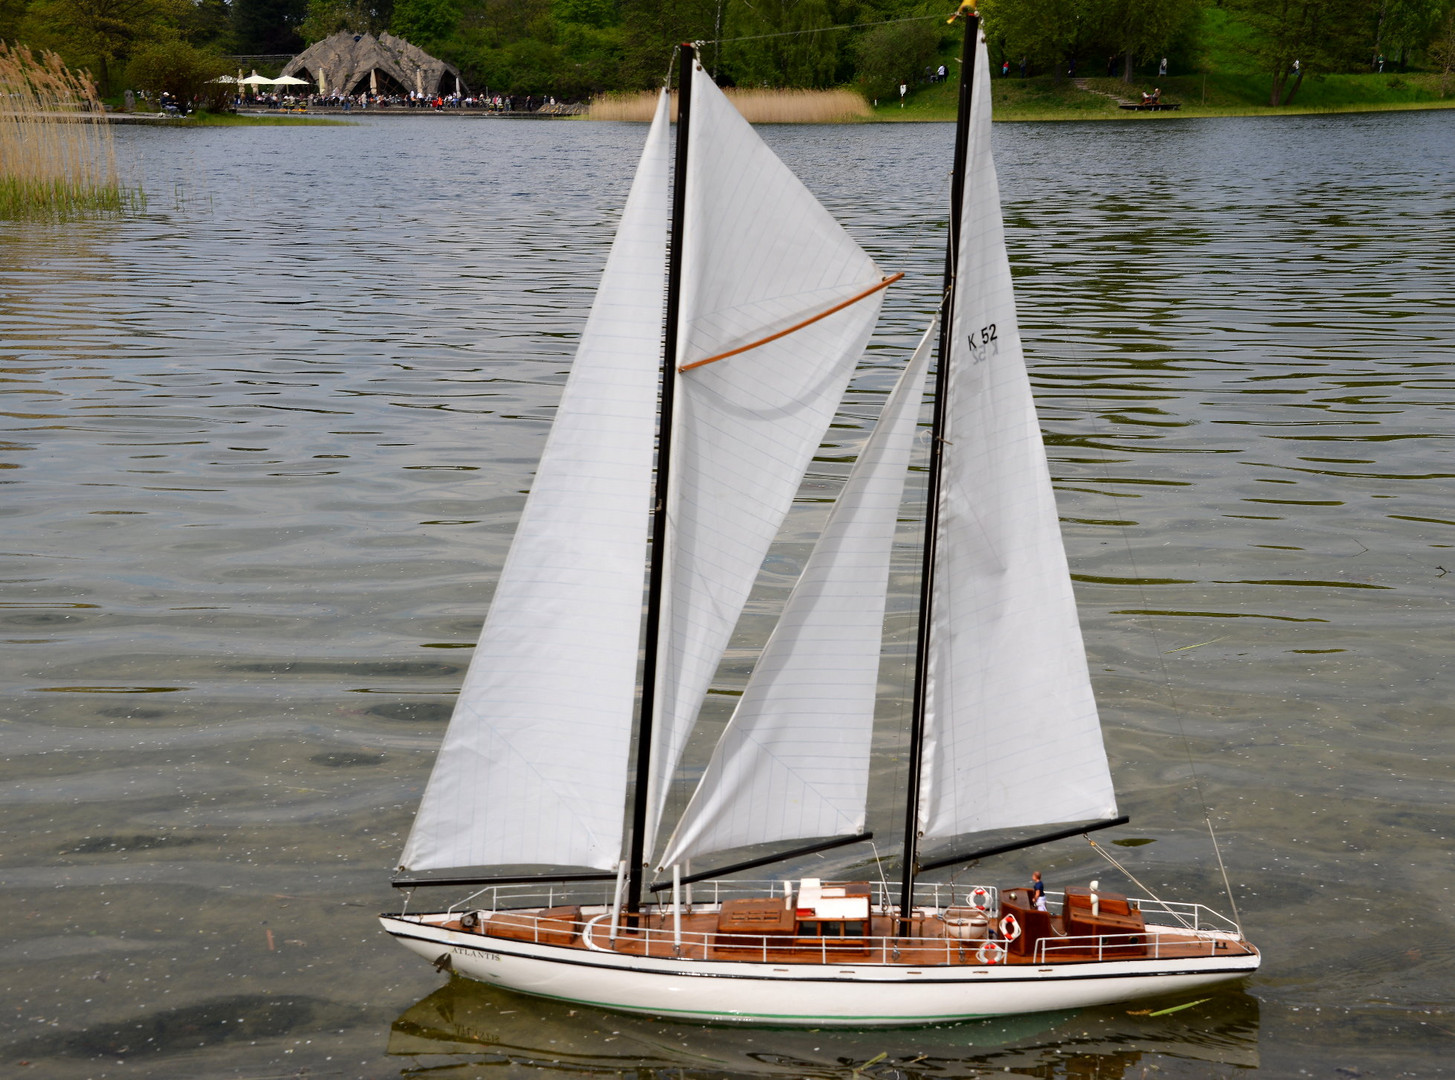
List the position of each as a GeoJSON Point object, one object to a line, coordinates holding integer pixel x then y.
{"type": "Point", "coordinates": [1047, 98]}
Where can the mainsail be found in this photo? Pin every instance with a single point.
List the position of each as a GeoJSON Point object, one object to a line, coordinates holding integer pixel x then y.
{"type": "Point", "coordinates": [794, 760]}
{"type": "Point", "coordinates": [534, 763]}
{"type": "Point", "coordinates": [1012, 735]}
{"type": "Point", "coordinates": [761, 255]}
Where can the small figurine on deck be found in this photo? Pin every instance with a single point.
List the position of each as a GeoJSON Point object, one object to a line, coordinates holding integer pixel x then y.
{"type": "Point", "coordinates": [1038, 891]}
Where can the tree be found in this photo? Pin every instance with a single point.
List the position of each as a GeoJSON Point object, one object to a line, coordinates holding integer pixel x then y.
{"type": "Point", "coordinates": [268, 26]}
{"type": "Point", "coordinates": [1406, 25]}
{"type": "Point", "coordinates": [426, 23]}
{"type": "Point", "coordinates": [12, 14]}
{"type": "Point", "coordinates": [1442, 51]}
{"type": "Point", "coordinates": [1045, 32]}
{"type": "Point", "coordinates": [328, 17]}
{"type": "Point", "coordinates": [789, 44]}
{"type": "Point", "coordinates": [182, 70]}
{"type": "Point", "coordinates": [97, 34]}
{"type": "Point", "coordinates": [652, 27]}
{"type": "Point", "coordinates": [891, 53]}
{"type": "Point", "coordinates": [1298, 35]}
{"type": "Point", "coordinates": [1138, 31]}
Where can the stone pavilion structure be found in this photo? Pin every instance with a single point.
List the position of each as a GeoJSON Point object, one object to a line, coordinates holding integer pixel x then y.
{"type": "Point", "coordinates": [358, 63]}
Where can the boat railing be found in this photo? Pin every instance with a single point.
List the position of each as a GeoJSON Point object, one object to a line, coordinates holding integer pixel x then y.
{"type": "Point", "coordinates": [669, 939]}
{"type": "Point", "coordinates": [508, 897]}
{"type": "Point", "coordinates": [1195, 917]}
{"type": "Point", "coordinates": [937, 895]}
{"type": "Point", "coordinates": [670, 943]}
{"type": "Point", "coordinates": [1151, 944]}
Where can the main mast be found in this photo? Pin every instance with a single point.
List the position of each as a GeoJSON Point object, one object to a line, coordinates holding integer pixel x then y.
{"type": "Point", "coordinates": [932, 496]}
{"type": "Point", "coordinates": [656, 576]}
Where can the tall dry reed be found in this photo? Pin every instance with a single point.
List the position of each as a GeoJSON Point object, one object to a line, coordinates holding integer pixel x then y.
{"type": "Point", "coordinates": [757, 106]}
{"type": "Point", "coordinates": [56, 154]}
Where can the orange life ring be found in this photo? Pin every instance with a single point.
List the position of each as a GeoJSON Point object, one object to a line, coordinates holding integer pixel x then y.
{"type": "Point", "coordinates": [990, 952]}
{"type": "Point", "coordinates": [1010, 928]}
{"type": "Point", "coordinates": [977, 894]}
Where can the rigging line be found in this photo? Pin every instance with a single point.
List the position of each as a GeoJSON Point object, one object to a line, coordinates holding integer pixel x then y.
{"type": "Point", "coordinates": [1108, 857]}
{"type": "Point", "coordinates": [1162, 665]}
{"type": "Point", "coordinates": [870, 291]}
{"type": "Point", "coordinates": [1227, 886]}
{"type": "Point", "coordinates": [883, 881]}
{"type": "Point", "coordinates": [817, 30]}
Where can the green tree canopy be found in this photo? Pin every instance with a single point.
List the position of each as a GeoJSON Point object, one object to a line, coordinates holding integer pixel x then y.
{"type": "Point", "coordinates": [268, 26]}
{"type": "Point", "coordinates": [100, 35]}
{"type": "Point", "coordinates": [1138, 31]}
{"type": "Point", "coordinates": [182, 70]}
{"type": "Point", "coordinates": [430, 24]}
{"type": "Point", "coordinates": [1407, 26]}
{"type": "Point", "coordinates": [895, 52]}
{"type": "Point", "coordinates": [788, 43]}
{"type": "Point", "coordinates": [1311, 34]}
{"type": "Point", "coordinates": [328, 17]}
{"type": "Point", "coordinates": [1045, 32]}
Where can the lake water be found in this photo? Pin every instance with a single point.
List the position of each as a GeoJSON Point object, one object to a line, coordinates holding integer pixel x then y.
{"type": "Point", "coordinates": [265, 443]}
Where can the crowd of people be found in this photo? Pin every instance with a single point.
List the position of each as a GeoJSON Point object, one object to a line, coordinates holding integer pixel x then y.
{"type": "Point", "coordinates": [502, 103]}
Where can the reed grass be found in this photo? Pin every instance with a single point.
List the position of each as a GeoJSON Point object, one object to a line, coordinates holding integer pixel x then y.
{"type": "Point", "coordinates": [756, 106]}
{"type": "Point", "coordinates": [56, 155]}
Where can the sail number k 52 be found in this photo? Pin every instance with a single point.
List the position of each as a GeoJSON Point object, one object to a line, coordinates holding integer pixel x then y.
{"type": "Point", "coordinates": [984, 344]}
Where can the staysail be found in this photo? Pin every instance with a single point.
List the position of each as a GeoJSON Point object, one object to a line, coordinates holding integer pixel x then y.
{"type": "Point", "coordinates": [761, 256]}
{"type": "Point", "coordinates": [1012, 736]}
{"type": "Point", "coordinates": [534, 764]}
{"type": "Point", "coordinates": [793, 762]}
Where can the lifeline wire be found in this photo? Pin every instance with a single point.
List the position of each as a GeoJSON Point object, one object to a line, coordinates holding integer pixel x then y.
{"type": "Point", "coordinates": [1108, 857]}
{"type": "Point", "coordinates": [818, 30]}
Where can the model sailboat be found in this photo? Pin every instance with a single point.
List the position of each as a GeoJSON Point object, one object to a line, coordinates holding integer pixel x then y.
{"type": "Point", "coordinates": [769, 303]}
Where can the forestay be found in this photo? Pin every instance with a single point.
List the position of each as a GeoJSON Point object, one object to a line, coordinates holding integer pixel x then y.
{"type": "Point", "coordinates": [794, 760]}
{"type": "Point", "coordinates": [1012, 735]}
{"type": "Point", "coordinates": [534, 763]}
{"type": "Point", "coordinates": [760, 255]}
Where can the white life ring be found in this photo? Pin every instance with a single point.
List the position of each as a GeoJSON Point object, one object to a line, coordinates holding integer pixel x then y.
{"type": "Point", "coordinates": [980, 898]}
{"type": "Point", "coordinates": [1010, 928]}
{"type": "Point", "coordinates": [990, 952]}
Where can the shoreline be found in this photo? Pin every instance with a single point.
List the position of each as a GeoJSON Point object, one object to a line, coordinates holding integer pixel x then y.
{"type": "Point", "coordinates": [1192, 112]}
{"type": "Point", "coordinates": [923, 114]}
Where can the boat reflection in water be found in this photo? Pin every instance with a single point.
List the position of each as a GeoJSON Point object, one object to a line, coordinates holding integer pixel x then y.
{"type": "Point", "coordinates": [473, 1024]}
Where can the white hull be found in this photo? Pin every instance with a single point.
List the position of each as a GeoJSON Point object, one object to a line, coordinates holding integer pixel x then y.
{"type": "Point", "coordinates": [798, 994]}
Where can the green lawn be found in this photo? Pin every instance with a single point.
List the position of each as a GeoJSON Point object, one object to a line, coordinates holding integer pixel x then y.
{"type": "Point", "coordinates": [1045, 98]}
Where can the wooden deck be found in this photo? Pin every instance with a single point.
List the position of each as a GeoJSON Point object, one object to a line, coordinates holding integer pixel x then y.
{"type": "Point", "coordinates": [1117, 936]}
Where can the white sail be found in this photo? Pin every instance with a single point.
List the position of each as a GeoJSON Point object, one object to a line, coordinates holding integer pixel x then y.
{"type": "Point", "coordinates": [534, 764]}
{"type": "Point", "coordinates": [761, 255]}
{"type": "Point", "coordinates": [794, 760]}
{"type": "Point", "coordinates": [1012, 736]}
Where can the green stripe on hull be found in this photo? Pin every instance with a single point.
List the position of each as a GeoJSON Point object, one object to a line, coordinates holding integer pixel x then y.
{"type": "Point", "coordinates": [945, 1018]}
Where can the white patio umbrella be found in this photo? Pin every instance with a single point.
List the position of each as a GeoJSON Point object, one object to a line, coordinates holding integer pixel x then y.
{"type": "Point", "coordinates": [255, 80]}
{"type": "Point", "coordinates": [289, 80]}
